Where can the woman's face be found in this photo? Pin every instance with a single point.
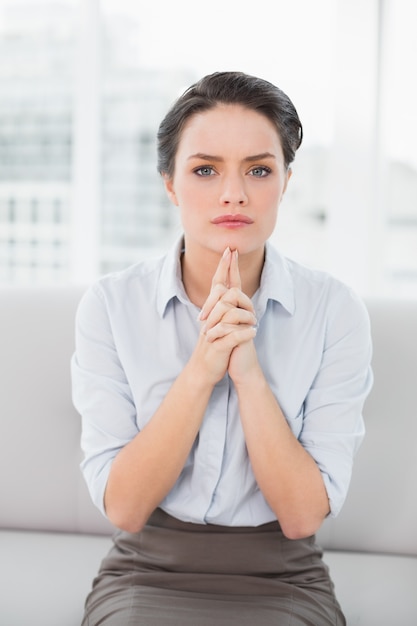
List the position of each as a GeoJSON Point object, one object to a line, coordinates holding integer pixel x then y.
{"type": "Point", "coordinates": [229, 179]}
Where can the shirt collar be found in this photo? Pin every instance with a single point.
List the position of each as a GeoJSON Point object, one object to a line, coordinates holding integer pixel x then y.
{"type": "Point", "coordinates": [276, 280]}
{"type": "Point", "coordinates": [170, 281]}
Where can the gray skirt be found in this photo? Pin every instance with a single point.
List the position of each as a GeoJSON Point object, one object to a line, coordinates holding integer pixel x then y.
{"type": "Point", "coordinates": [175, 573]}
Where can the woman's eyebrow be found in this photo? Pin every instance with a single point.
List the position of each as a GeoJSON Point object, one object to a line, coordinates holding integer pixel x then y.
{"type": "Point", "coordinates": [205, 157]}
{"type": "Point", "coordinates": [259, 157]}
{"type": "Point", "coordinates": [211, 157]}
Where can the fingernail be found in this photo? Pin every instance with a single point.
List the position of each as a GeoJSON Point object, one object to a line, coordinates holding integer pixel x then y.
{"type": "Point", "coordinates": [226, 252]}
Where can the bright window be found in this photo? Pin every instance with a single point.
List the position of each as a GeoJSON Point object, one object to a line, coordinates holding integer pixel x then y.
{"type": "Point", "coordinates": [86, 84]}
{"type": "Point", "coordinates": [398, 148]}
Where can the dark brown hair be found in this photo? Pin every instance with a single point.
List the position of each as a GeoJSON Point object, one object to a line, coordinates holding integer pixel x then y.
{"type": "Point", "coordinates": [229, 88]}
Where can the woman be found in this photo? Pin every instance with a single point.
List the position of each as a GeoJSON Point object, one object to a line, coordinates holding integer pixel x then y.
{"type": "Point", "coordinates": [221, 387]}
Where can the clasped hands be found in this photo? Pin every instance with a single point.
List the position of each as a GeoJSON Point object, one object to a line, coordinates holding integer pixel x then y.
{"type": "Point", "coordinates": [228, 324]}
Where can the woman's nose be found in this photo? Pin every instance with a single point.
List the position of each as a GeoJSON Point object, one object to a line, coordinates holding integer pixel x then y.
{"type": "Point", "coordinates": [233, 192]}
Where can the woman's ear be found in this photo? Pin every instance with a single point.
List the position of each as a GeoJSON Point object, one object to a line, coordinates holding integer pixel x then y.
{"type": "Point", "coordinates": [169, 188]}
{"type": "Point", "coordinates": [288, 176]}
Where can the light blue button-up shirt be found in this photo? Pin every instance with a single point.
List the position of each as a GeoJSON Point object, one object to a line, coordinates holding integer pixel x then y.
{"type": "Point", "coordinates": [135, 331]}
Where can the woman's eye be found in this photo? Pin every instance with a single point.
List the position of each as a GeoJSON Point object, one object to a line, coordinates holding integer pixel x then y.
{"type": "Point", "coordinates": [205, 170]}
{"type": "Point", "coordinates": [260, 172]}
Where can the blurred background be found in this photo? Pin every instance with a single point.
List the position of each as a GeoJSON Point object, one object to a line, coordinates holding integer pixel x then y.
{"type": "Point", "coordinates": [85, 83]}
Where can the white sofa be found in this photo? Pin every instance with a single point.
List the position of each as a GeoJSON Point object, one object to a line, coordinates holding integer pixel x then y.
{"type": "Point", "coordinates": [52, 539]}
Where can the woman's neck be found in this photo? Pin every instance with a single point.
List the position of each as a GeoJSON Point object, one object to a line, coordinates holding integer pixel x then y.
{"type": "Point", "coordinates": [198, 271]}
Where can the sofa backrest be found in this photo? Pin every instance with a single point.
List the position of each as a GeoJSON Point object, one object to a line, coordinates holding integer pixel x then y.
{"type": "Point", "coordinates": [41, 486]}
{"type": "Point", "coordinates": [380, 512]}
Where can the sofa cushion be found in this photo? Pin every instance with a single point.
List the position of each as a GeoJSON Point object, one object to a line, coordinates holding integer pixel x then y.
{"type": "Point", "coordinates": [45, 577]}
{"type": "Point", "coordinates": [375, 589]}
{"type": "Point", "coordinates": [48, 577]}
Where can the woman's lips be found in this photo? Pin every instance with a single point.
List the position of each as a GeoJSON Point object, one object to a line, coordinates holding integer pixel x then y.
{"type": "Point", "coordinates": [232, 221]}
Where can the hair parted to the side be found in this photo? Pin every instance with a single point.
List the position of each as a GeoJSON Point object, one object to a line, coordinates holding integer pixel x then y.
{"type": "Point", "coordinates": [229, 88]}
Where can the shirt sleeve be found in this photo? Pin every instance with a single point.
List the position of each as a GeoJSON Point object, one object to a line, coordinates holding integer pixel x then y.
{"type": "Point", "coordinates": [101, 393]}
{"type": "Point", "coordinates": [333, 425]}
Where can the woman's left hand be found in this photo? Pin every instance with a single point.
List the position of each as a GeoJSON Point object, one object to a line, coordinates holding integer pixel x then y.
{"type": "Point", "coordinates": [229, 313]}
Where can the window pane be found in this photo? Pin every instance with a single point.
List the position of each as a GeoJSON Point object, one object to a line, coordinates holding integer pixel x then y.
{"type": "Point", "coordinates": [137, 218]}
{"type": "Point", "coordinates": [36, 49]}
{"type": "Point", "coordinates": [399, 140]}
